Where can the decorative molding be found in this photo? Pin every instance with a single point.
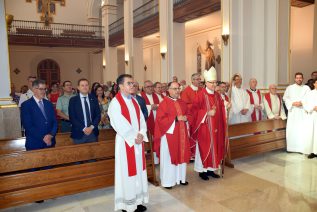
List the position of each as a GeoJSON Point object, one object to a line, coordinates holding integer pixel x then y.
{"type": "Point", "coordinates": [16, 71]}
{"type": "Point", "coordinates": [78, 70]}
{"type": "Point", "coordinates": [145, 68]}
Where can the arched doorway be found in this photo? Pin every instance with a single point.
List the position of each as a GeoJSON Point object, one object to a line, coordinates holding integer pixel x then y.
{"type": "Point", "coordinates": [49, 71]}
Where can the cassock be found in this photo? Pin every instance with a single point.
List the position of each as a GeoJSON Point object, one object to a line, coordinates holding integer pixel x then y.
{"type": "Point", "coordinates": [255, 100]}
{"type": "Point", "coordinates": [273, 106]}
{"type": "Point", "coordinates": [297, 118]}
{"type": "Point", "coordinates": [131, 184]}
{"type": "Point", "coordinates": [208, 131]}
{"type": "Point", "coordinates": [151, 99]}
{"type": "Point", "coordinates": [171, 141]}
{"type": "Point", "coordinates": [309, 104]}
{"type": "Point", "coordinates": [239, 100]}
{"type": "Point", "coordinates": [188, 95]}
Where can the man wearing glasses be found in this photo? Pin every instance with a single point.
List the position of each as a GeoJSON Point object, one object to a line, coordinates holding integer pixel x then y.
{"type": "Point", "coordinates": [188, 95]}
{"type": "Point", "coordinates": [38, 119]}
{"type": "Point", "coordinates": [208, 121]}
{"type": "Point", "coordinates": [171, 139]}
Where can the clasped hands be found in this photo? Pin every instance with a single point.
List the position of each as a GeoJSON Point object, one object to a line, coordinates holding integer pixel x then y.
{"type": "Point", "coordinates": [154, 107]}
{"type": "Point", "coordinates": [48, 139]}
{"type": "Point", "coordinates": [244, 111]}
{"type": "Point", "coordinates": [212, 112]}
{"type": "Point", "coordinates": [297, 104]}
{"type": "Point", "coordinates": [182, 118]}
{"type": "Point", "coordinates": [139, 138]}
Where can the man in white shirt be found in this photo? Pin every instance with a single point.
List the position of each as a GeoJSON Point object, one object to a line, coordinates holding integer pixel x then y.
{"type": "Point", "coordinates": [29, 93]}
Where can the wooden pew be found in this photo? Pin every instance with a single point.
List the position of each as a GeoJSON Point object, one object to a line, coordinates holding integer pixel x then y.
{"type": "Point", "coordinates": [253, 138]}
{"type": "Point", "coordinates": [19, 185]}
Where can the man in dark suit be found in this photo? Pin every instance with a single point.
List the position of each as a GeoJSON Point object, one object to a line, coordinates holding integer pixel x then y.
{"type": "Point", "coordinates": [84, 115]}
{"type": "Point", "coordinates": [38, 119]}
{"type": "Point", "coordinates": [140, 100]}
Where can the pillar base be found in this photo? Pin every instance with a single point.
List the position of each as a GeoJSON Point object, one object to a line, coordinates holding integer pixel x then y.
{"type": "Point", "coordinates": [10, 122]}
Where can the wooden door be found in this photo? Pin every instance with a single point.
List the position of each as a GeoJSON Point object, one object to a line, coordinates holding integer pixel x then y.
{"type": "Point", "coordinates": [49, 71]}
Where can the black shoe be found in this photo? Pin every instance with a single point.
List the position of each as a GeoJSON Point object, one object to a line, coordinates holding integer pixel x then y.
{"type": "Point", "coordinates": [140, 208]}
{"type": "Point", "coordinates": [203, 176]}
{"type": "Point", "coordinates": [212, 174]}
{"type": "Point", "coordinates": [123, 210]}
{"type": "Point", "coordinates": [170, 187]}
{"type": "Point", "coordinates": [186, 183]}
{"type": "Point", "coordinates": [40, 201]}
{"type": "Point", "coordinates": [311, 156]}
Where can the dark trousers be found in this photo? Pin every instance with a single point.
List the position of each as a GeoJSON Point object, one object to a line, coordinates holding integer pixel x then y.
{"type": "Point", "coordinates": [86, 139]}
{"type": "Point", "coordinates": [65, 126]}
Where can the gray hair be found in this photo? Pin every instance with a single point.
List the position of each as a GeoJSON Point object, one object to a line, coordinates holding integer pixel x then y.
{"type": "Point", "coordinates": [38, 82]}
{"type": "Point", "coordinates": [195, 75]}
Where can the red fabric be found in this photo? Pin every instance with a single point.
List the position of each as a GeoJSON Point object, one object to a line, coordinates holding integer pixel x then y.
{"type": "Point", "coordinates": [253, 115]}
{"type": "Point", "coordinates": [212, 141]}
{"type": "Point", "coordinates": [226, 98]}
{"type": "Point", "coordinates": [188, 95]}
{"type": "Point", "coordinates": [268, 99]}
{"type": "Point", "coordinates": [178, 142]}
{"type": "Point", "coordinates": [130, 150]}
{"type": "Point", "coordinates": [150, 121]}
{"type": "Point", "coordinates": [53, 99]}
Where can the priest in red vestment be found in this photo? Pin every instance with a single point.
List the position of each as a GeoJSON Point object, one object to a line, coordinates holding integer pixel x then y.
{"type": "Point", "coordinates": [255, 100]}
{"type": "Point", "coordinates": [171, 138]}
{"type": "Point", "coordinates": [188, 95]}
{"type": "Point", "coordinates": [152, 102]}
{"type": "Point", "coordinates": [208, 122]}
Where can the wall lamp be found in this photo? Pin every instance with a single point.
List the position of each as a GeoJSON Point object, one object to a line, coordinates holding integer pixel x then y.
{"type": "Point", "coordinates": [163, 52]}
{"type": "Point", "coordinates": [126, 62]}
{"type": "Point", "coordinates": [225, 38]}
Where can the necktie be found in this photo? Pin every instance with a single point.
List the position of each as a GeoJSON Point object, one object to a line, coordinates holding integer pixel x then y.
{"type": "Point", "coordinates": [41, 105]}
{"type": "Point", "coordinates": [88, 120]}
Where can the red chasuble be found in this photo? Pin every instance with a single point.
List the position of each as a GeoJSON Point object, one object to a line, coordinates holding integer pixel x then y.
{"type": "Point", "coordinates": [150, 121]}
{"type": "Point", "coordinates": [210, 134]}
{"type": "Point", "coordinates": [267, 96]}
{"type": "Point", "coordinates": [178, 142]}
{"type": "Point", "coordinates": [253, 115]}
{"type": "Point", "coordinates": [130, 150]}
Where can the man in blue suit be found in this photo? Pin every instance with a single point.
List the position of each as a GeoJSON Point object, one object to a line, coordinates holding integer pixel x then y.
{"type": "Point", "coordinates": [84, 115]}
{"type": "Point", "coordinates": [38, 119]}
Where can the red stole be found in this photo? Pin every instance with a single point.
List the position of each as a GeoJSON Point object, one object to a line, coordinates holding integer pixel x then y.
{"type": "Point", "coordinates": [150, 121]}
{"type": "Point", "coordinates": [253, 115]}
{"type": "Point", "coordinates": [130, 150]}
{"type": "Point", "coordinates": [268, 99]}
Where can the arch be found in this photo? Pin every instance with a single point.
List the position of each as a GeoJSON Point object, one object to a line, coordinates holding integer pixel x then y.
{"type": "Point", "coordinates": [49, 71]}
{"type": "Point", "coordinates": [94, 12]}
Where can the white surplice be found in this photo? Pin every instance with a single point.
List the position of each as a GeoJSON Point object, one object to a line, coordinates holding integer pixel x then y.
{"type": "Point", "coordinates": [256, 103]}
{"type": "Point", "coordinates": [240, 99]}
{"type": "Point", "coordinates": [309, 104]}
{"type": "Point", "coordinates": [170, 174]}
{"type": "Point", "coordinates": [276, 108]}
{"type": "Point", "coordinates": [129, 191]}
{"type": "Point", "coordinates": [297, 118]}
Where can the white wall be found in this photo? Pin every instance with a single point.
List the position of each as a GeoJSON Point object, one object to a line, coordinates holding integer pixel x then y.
{"type": "Point", "coordinates": [152, 60]}
{"type": "Point", "coordinates": [74, 11]}
{"type": "Point", "coordinates": [302, 27]}
{"type": "Point", "coordinates": [26, 60]}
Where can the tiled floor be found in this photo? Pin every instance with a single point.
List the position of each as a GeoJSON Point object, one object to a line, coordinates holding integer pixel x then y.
{"type": "Point", "coordinates": [276, 181]}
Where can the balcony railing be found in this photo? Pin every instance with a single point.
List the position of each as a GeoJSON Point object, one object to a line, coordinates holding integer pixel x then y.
{"type": "Point", "coordinates": [116, 26]}
{"type": "Point", "coordinates": [147, 10]}
{"type": "Point", "coordinates": [33, 28]}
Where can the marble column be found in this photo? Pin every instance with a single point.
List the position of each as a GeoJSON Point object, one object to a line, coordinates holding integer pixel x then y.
{"type": "Point", "coordinates": [179, 51]}
{"type": "Point", "coordinates": [225, 59]}
{"type": "Point", "coordinates": [110, 63]}
{"type": "Point", "coordinates": [166, 39]}
{"type": "Point", "coordinates": [315, 39]}
{"type": "Point", "coordinates": [128, 36]}
{"type": "Point", "coordinates": [10, 126]}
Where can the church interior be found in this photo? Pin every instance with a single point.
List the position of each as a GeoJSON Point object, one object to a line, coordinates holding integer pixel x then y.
{"type": "Point", "coordinates": [157, 41]}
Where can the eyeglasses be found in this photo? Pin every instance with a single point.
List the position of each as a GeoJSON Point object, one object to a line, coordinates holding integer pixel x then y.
{"type": "Point", "coordinates": [130, 83]}
{"type": "Point", "coordinates": [41, 89]}
{"type": "Point", "coordinates": [176, 89]}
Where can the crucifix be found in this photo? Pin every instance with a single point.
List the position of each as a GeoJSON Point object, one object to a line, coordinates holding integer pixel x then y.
{"type": "Point", "coordinates": [47, 8]}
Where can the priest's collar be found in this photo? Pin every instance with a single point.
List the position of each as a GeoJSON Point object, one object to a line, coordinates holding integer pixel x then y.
{"type": "Point", "coordinates": [194, 87]}
{"type": "Point", "coordinates": [126, 96]}
{"type": "Point", "coordinates": [254, 90]}
{"type": "Point", "coordinates": [210, 91]}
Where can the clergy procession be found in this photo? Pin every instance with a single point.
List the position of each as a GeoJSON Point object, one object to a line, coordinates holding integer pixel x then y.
{"type": "Point", "coordinates": [184, 123]}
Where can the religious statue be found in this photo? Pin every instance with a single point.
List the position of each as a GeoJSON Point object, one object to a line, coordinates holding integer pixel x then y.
{"type": "Point", "coordinates": [209, 55]}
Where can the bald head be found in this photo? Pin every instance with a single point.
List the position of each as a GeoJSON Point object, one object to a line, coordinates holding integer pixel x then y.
{"type": "Point", "coordinates": [272, 89]}
{"type": "Point", "coordinates": [253, 83]}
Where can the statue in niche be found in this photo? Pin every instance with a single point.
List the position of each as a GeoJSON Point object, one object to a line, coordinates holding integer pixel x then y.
{"type": "Point", "coordinates": [209, 54]}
